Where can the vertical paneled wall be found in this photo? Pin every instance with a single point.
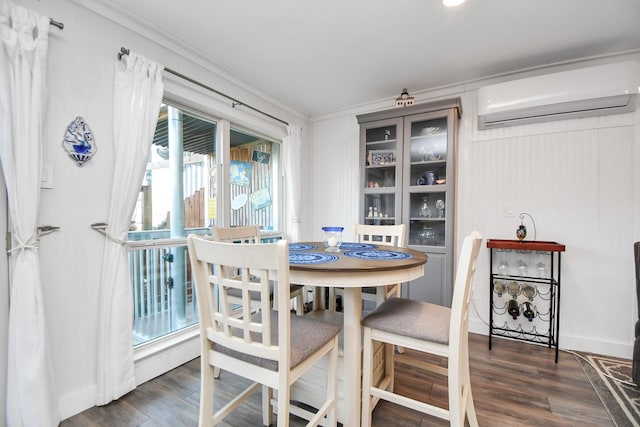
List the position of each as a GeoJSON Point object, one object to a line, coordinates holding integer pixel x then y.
{"type": "Point", "coordinates": [576, 178]}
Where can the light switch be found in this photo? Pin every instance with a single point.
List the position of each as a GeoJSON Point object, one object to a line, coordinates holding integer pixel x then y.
{"type": "Point", "coordinates": [509, 210]}
{"type": "Point", "coordinates": [46, 180]}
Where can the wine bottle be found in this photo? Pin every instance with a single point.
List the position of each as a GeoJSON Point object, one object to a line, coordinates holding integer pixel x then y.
{"type": "Point", "coordinates": [528, 311]}
{"type": "Point", "coordinates": [513, 309]}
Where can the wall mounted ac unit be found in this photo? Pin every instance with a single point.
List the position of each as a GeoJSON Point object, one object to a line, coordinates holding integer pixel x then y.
{"type": "Point", "coordinates": [594, 91]}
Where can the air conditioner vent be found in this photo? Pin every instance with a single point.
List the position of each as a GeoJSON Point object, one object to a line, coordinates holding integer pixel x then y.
{"type": "Point", "coordinates": [595, 91]}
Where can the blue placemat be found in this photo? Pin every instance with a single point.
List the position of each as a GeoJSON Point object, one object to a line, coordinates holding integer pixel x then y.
{"type": "Point", "coordinates": [354, 246]}
{"type": "Point", "coordinates": [377, 255]}
{"type": "Point", "coordinates": [301, 247]}
{"type": "Point", "coordinates": [311, 258]}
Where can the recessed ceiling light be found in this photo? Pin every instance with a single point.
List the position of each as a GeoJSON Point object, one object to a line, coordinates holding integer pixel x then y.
{"type": "Point", "coordinates": [452, 3]}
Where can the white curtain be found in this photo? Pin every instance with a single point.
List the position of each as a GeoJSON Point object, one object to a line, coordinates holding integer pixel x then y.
{"type": "Point", "coordinates": [293, 174]}
{"type": "Point", "coordinates": [31, 391]}
{"type": "Point", "coordinates": [138, 92]}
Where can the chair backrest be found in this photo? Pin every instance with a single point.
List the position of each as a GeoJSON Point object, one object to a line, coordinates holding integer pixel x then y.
{"type": "Point", "coordinates": [459, 323]}
{"type": "Point", "coordinates": [256, 265]}
{"type": "Point", "coordinates": [245, 234]}
{"type": "Point", "coordinates": [390, 235]}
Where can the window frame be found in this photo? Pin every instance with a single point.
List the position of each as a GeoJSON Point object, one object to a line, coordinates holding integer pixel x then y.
{"type": "Point", "coordinates": [163, 353]}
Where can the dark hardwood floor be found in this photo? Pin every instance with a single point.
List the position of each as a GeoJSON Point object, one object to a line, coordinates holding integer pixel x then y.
{"type": "Point", "coordinates": [514, 384]}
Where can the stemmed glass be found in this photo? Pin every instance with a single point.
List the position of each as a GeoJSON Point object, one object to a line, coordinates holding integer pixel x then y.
{"type": "Point", "coordinates": [522, 267]}
{"type": "Point", "coordinates": [440, 207]}
{"type": "Point", "coordinates": [503, 267]}
{"type": "Point", "coordinates": [541, 266]}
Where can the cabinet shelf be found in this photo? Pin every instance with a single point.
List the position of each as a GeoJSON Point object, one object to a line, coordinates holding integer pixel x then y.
{"type": "Point", "coordinates": [386, 165]}
{"type": "Point", "coordinates": [428, 162]}
{"type": "Point", "coordinates": [387, 220]}
{"type": "Point", "coordinates": [431, 136]}
{"type": "Point", "coordinates": [426, 188]}
{"type": "Point", "coordinates": [379, 190]}
{"type": "Point", "coordinates": [424, 219]}
{"type": "Point", "coordinates": [381, 141]}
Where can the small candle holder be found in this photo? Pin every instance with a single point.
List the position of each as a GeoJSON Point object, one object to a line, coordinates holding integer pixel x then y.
{"type": "Point", "coordinates": [332, 238]}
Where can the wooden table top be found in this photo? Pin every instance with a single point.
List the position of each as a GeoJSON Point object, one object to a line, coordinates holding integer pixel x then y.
{"type": "Point", "coordinates": [346, 263]}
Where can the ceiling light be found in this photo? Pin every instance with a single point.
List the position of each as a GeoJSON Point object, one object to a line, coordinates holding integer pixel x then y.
{"type": "Point", "coordinates": [452, 3]}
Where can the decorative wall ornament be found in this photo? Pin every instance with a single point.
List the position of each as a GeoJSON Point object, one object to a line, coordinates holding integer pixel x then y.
{"type": "Point", "coordinates": [79, 142]}
{"type": "Point", "coordinates": [404, 99]}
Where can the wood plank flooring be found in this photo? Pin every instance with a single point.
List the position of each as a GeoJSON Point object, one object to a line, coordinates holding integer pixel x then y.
{"type": "Point", "coordinates": [514, 384]}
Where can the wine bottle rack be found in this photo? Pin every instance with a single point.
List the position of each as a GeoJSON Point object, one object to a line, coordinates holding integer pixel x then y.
{"type": "Point", "coordinates": [524, 289]}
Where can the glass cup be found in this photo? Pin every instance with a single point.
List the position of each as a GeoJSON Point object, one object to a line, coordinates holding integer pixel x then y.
{"type": "Point", "coordinates": [332, 238]}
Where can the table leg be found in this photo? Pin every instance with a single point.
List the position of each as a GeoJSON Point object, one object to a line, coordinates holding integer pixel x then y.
{"type": "Point", "coordinates": [352, 311]}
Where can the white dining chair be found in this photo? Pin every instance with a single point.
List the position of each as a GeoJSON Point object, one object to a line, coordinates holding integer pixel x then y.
{"type": "Point", "coordinates": [427, 328]}
{"type": "Point", "coordinates": [251, 234]}
{"type": "Point", "coordinates": [383, 235]}
{"type": "Point", "coordinates": [271, 348]}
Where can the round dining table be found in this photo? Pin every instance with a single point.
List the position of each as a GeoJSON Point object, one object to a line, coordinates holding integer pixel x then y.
{"type": "Point", "coordinates": [354, 266]}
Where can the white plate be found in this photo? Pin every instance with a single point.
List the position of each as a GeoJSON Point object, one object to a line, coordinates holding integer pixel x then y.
{"type": "Point", "coordinates": [239, 201]}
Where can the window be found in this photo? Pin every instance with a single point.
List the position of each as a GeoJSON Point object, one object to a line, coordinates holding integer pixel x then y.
{"type": "Point", "coordinates": [201, 172]}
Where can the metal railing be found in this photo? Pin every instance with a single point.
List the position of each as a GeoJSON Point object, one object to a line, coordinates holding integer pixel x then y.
{"type": "Point", "coordinates": [164, 299]}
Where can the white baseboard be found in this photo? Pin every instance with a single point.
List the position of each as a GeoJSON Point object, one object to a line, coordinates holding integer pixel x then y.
{"type": "Point", "coordinates": [573, 342]}
{"type": "Point", "coordinates": [150, 361]}
{"type": "Point", "coordinates": [168, 356]}
{"type": "Point", "coordinates": [76, 402]}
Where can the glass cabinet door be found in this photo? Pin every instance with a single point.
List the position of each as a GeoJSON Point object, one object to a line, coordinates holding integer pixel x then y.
{"type": "Point", "coordinates": [382, 172]}
{"type": "Point", "coordinates": [407, 157]}
{"type": "Point", "coordinates": [427, 157]}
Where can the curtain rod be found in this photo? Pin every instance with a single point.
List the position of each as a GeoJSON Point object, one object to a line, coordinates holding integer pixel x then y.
{"type": "Point", "coordinates": [235, 102]}
{"type": "Point", "coordinates": [56, 23]}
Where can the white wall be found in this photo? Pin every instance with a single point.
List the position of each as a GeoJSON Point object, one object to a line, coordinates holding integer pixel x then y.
{"type": "Point", "coordinates": [577, 178]}
{"type": "Point", "coordinates": [4, 298]}
{"type": "Point", "coordinates": [80, 81]}
{"type": "Point", "coordinates": [335, 175]}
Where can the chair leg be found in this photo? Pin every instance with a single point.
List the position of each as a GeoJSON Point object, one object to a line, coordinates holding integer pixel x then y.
{"type": "Point", "coordinates": [332, 299]}
{"type": "Point", "coordinates": [332, 385]}
{"type": "Point", "coordinates": [367, 373]}
{"type": "Point", "coordinates": [381, 295]}
{"type": "Point", "coordinates": [206, 393]}
{"type": "Point", "coordinates": [216, 372]}
{"type": "Point", "coordinates": [460, 397]}
{"type": "Point", "coordinates": [299, 305]}
{"type": "Point", "coordinates": [388, 365]}
{"type": "Point", "coordinates": [319, 301]}
{"type": "Point", "coordinates": [284, 396]}
{"type": "Point", "coordinates": [267, 412]}
{"type": "Point", "coordinates": [471, 410]}
{"type": "Point", "coordinates": [466, 381]}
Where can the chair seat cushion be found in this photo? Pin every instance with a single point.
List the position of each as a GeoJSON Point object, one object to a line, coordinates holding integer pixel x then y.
{"type": "Point", "coordinates": [307, 336]}
{"type": "Point", "coordinates": [410, 318]}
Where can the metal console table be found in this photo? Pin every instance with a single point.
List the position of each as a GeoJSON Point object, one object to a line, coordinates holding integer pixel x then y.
{"type": "Point", "coordinates": [524, 289]}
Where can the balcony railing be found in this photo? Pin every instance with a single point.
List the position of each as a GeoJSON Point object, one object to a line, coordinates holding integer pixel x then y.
{"type": "Point", "coordinates": [164, 299]}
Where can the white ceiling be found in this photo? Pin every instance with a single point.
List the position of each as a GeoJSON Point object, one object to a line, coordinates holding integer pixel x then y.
{"type": "Point", "coordinates": [321, 56]}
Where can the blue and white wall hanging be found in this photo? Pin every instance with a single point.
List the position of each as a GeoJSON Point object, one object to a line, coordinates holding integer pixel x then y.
{"type": "Point", "coordinates": [79, 142]}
